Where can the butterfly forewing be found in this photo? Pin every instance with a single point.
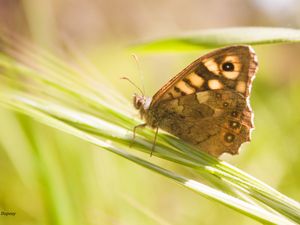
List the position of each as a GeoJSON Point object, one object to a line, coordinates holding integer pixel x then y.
{"type": "Point", "coordinates": [229, 68]}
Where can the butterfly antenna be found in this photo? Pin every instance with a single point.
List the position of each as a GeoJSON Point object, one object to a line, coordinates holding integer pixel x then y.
{"type": "Point", "coordinates": [126, 78]}
{"type": "Point", "coordinates": [139, 71]}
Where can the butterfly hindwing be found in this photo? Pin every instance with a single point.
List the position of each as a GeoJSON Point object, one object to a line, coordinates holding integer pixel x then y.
{"type": "Point", "coordinates": [215, 121]}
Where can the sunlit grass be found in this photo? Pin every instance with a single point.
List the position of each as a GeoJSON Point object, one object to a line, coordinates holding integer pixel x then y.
{"type": "Point", "coordinates": [212, 38]}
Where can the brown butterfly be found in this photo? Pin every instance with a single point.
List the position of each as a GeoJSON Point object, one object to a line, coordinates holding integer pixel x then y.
{"type": "Point", "coordinates": [206, 104]}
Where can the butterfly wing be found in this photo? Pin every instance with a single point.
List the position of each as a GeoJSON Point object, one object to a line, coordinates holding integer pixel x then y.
{"type": "Point", "coordinates": [230, 68]}
{"type": "Point", "coordinates": [215, 121]}
{"type": "Point", "coordinates": [207, 103]}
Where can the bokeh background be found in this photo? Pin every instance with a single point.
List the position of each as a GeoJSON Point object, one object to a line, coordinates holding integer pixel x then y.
{"type": "Point", "coordinates": [48, 177]}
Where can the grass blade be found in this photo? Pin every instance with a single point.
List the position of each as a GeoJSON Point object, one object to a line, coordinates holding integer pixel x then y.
{"type": "Point", "coordinates": [212, 38]}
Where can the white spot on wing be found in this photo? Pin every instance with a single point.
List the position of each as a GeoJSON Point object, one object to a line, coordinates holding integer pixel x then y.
{"type": "Point", "coordinates": [183, 87]}
{"type": "Point", "coordinates": [212, 66]}
{"type": "Point", "coordinates": [241, 86]}
{"type": "Point", "coordinates": [195, 79]}
{"type": "Point", "coordinates": [202, 97]}
{"type": "Point", "coordinates": [215, 84]}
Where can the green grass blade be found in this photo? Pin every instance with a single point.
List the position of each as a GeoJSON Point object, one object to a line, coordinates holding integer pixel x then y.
{"type": "Point", "coordinates": [212, 38]}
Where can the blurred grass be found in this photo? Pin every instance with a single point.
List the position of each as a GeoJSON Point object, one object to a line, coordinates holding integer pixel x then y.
{"type": "Point", "coordinates": [69, 187]}
{"type": "Point", "coordinates": [212, 38]}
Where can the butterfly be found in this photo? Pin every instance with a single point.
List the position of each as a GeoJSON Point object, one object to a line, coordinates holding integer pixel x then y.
{"type": "Point", "coordinates": [207, 103]}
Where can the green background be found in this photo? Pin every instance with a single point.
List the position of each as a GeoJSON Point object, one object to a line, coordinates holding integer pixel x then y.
{"type": "Point", "coordinates": [49, 177]}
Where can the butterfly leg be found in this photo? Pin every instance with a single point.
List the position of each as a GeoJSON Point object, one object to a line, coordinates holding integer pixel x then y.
{"type": "Point", "coordinates": [154, 141]}
{"type": "Point", "coordinates": [134, 131]}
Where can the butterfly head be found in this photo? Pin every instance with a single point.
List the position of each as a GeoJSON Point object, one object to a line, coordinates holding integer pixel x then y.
{"type": "Point", "coordinates": [141, 103]}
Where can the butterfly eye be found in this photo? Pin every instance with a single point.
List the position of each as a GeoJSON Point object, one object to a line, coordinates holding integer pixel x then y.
{"type": "Point", "coordinates": [137, 102]}
{"type": "Point", "coordinates": [228, 66]}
